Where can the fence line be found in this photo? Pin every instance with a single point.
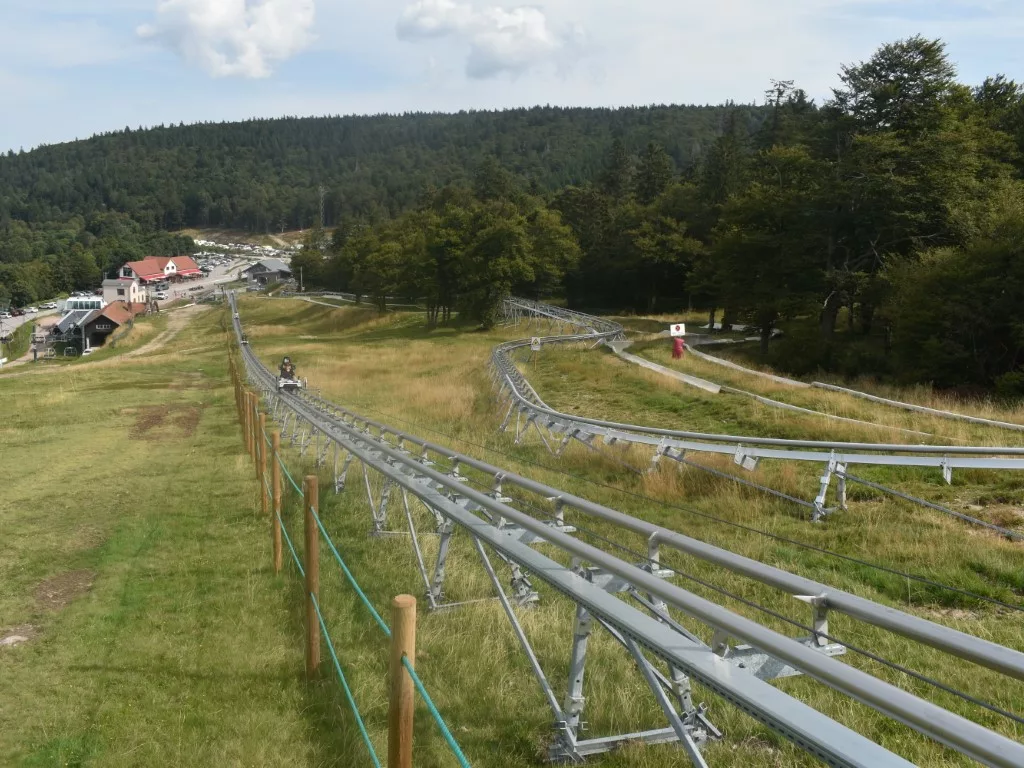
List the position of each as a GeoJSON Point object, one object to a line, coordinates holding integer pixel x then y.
{"type": "Point", "coordinates": [344, 684]}
{"type": "Point", "coordinates": [253, 423]}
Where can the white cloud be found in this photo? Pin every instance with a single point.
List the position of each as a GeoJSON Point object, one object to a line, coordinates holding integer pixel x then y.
{"type": "Point", "coordinates": [233, 37]}
{"type": "Point", "coordinates": [500, 40]}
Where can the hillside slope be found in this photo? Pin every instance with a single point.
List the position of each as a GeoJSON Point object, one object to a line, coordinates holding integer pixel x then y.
{"type": "Point", "coordinates": [263, 175]}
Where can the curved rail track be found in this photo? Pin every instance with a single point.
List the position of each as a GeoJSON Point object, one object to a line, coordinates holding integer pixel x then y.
{"type": "Point", "coordinates": [637, 604]}
{"type": "Point", "coordinates": [835, 457]}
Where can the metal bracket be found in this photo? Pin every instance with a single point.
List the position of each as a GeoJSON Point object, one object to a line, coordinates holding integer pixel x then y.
{"type": "Point", "coordinates": [741, 458]}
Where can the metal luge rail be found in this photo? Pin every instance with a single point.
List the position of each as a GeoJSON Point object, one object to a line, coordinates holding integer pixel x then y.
{"type": "Point", "coordinates": [747, 451]}
{"type": "Point", "coordinates": [921, 408]}
{"type": "Point", "coordinates": [968, 647]}
{"type": "Point", "coordinates": [599, 584]}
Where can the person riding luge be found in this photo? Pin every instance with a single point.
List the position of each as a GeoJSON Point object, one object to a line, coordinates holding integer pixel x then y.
{"type": "Point", "coordinates": [287, 370]}
{"type": "Point", "coordinates": [287, 379]}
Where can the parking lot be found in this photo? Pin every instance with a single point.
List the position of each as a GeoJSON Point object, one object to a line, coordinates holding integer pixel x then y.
{"type": "Point", "coordinates": [9, 324]}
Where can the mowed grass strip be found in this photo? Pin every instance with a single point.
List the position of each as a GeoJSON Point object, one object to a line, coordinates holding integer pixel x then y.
{"type": "Point", "coordinates": [136, 566]}
{"type": "Point", "coordinates": [435, 384]}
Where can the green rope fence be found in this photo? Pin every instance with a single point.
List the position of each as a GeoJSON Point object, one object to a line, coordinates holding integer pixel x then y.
{"type": "Point", "coordinates": [452, 744]}
{"type": "Point", "coordinates": [344, 683]}
{"type": "Point", "coordinates": [348, 575]}
{"type": "Point", "coordinates": [417, 682]}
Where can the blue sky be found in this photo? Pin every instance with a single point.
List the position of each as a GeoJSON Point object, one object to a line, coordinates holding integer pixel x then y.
{"type": "Point", "coordinates": [71, 68]}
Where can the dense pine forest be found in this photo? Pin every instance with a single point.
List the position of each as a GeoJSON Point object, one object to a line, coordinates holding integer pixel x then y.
{"type": "Point", "coordinates": [882, 230]}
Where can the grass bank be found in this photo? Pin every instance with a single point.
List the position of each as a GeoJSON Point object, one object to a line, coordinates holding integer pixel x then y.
{"type": "Point", "coordinates": [135, 569]}
{"type": "Point", "coordinates": [21, 340]}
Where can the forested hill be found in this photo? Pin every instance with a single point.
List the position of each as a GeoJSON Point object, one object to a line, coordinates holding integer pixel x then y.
{"type": "Point", "coordinates": [264, 175]}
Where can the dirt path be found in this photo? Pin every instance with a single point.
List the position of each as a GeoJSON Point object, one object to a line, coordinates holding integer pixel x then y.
{"type": "Point", "coordinates": [177, 320]}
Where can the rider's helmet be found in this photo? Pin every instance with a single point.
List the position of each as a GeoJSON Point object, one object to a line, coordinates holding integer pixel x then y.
{"type": "Point", "coordinates": [286, 360]}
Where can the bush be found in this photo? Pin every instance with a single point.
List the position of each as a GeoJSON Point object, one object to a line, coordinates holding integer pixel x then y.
{"type": "Point", "coordinates": [1011, 385]}
{"type": "Point", "coordinates": [801, 352]}
{"type": "Point", "coordinates": [863, 356]}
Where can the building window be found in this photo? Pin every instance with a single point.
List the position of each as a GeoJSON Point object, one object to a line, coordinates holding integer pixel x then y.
{"type": "Point", "coordinates": [104, 327]}
{"type": "Point", "coordinates": [120, 291]}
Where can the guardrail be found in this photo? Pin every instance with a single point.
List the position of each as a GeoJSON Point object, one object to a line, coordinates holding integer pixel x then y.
{"type": "Point", "coordinates": [746, 450]}
{"type": "Point", "coordinates": [414, 468]}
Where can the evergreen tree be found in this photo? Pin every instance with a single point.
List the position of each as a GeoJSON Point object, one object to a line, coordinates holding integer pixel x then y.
{"type": "Point", "coordinates": [654, 173]}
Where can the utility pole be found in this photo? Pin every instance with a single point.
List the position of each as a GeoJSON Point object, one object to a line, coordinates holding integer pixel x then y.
{"type": "Point", "coordinates": [301, 289]}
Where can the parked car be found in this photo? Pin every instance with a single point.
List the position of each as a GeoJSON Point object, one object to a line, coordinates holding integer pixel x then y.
{"type": "Point", "coordinates": [161, 295]}
{"type": "Point", "coordinates": [5, 315]}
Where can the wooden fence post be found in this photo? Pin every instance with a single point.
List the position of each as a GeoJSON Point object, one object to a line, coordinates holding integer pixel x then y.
{"type": "Point", "coordinates": [246, 428]}
{"type": "Point", "coordinates": [257, 436]}
{"type": "Point", "coordinates": [402, 696]}
{"type": "Point", "coordinates": [243, 399]}
{"type": "Point", "coordinates": [261, 465]}
{"type": "Point", "coordinates": [250, 444]}
{"type": "Point", "coordinates": [275, 521]}
{"type": "Point", "coordinates": [311, 489]}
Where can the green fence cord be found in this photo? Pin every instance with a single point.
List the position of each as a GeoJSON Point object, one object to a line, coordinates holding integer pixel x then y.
{"type": "Point", "coordinates": [288, 539]}
{"type": "Point", "coordinates": [452, 744]}
{"type": "Point", "coordinates": [288, 475]}
{"type": "Point", "coordinates": [442, 726]}
{"type": "Point", "coordinates": [349, 576]}
{"type": "Point", "coordinates": [344, 683]}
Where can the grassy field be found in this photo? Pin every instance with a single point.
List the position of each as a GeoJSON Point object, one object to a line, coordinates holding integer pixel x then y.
{"type": "Point", "coordinates": [157, 635]}
{"type": "Point", "coordinates": [435, 384]}
{"type": "Point", "coordinates": [135, 567]}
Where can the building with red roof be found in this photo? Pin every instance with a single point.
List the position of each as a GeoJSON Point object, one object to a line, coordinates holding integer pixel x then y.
{"type": "Point", "coordinates": [154, 269]}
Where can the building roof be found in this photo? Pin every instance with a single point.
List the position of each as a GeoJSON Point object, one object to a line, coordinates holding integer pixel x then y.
{"type": "Point", "coordinates": [148, 268]}
{"type": "Point", "coordinates": [186, 265]}
{"type": "Point", "coordinates": [117, 312]}
{"type": "Point", "coordinates": [271, 265]}
{"type": "Point", "coordinates": [73, 319]}
{"type": "Point", "coordinates": [116, 281]}
{"type": "Point", "coordinates": [152, 267]}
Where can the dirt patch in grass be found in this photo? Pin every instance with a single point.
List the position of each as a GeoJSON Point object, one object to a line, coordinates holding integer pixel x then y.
{"type": "Point", "coordinates": [187, 421]}
{"type": "Point", "coordinates": [56, 592]}
{"type": "Point", "coordinates": [13, 636]}
{"type": "Point", "coordinates": [163, 422]}
{"type": "Point", "coordinates": [147, 418]}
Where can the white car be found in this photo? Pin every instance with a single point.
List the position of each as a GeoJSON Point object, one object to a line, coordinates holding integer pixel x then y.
{"type": "Point", "coordinates": [161, 296]}
{"type": "Point", "coordinates": [31, 310]}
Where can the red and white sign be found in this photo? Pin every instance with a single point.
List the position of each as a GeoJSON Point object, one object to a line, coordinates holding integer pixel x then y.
{"type": "Point", "coordinates": [677, 329]}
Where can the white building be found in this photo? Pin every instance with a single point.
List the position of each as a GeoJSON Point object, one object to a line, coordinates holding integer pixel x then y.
{"type": "Point", "coordinates": [129, 289]}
